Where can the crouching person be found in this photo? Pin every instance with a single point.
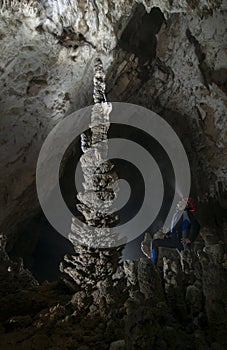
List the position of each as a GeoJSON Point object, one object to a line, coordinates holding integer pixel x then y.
{"type": "Point", "coordinates": [184, 231]}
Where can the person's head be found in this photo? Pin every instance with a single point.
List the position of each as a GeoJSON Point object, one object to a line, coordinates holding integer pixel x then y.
{"type": "Point", "coordinates": [186, 204]}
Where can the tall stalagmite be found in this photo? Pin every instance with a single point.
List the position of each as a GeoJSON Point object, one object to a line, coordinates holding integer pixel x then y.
{"type": "Point", "coordinates": [96, 200]}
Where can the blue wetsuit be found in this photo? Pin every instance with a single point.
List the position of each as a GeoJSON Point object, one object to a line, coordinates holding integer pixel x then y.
{"type": "Point", "coordinates": [179, 229]}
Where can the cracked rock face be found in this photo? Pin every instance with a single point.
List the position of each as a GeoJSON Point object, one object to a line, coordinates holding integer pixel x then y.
{"type": "Point", "coordinates": [171, 60]}
{"type": "Point", "coordinates": [168, 56]}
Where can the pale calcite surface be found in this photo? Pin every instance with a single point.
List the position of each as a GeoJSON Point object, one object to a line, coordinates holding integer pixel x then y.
{"type": "Point", "coordinates": [47, 53]}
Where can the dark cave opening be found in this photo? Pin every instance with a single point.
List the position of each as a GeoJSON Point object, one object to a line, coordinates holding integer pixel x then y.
{"type": "Point", "coordinates": [139, 36]}
{"type": "Point", "coordinates": [49, 251]}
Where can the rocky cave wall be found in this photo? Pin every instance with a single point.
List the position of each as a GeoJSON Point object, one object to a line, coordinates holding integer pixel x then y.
{"type": "Point", "coordinates": [118, 307]}
{"type": "Point", "coordinates": [172, 60]}
{"type": "Point", "coordinates": [167, 56]}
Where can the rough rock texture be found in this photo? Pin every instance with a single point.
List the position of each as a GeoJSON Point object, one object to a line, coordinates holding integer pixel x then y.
{"type": "Point", "coordinates": [165, 55]}
{"type": "Point", "coordinates": [178, 82]}
{"type": "Point", "coordinates": [172, 61]}
{"type": "Point", "coordinates": [99, 182]}
{"type": "Point", "coordinates": [132, 307]}
{"type": "Point", "coordinates": [88, 266]}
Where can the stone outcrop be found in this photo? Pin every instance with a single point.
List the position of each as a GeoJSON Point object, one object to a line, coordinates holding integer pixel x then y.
{"type": "Point", "coordinates": [90, 266]}
{"type": "Point", "coordinates": [167, 56]}
{"type": "Point", "coordinates": [99, 176]}
{"type": "Point", "coordinates": [172, 62]}
{"type": "Point", "coordinates": [135, 306]}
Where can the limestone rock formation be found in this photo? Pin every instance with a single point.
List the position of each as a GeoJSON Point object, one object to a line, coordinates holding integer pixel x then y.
{"type": "Point", "coordinates": [132, 307]}
{"type": "Point", "coordinates": [89, 266]}
{"type": "Point", "coordinates": [168, 56]}
{"type": "Point", "coordinates": [99, 176]}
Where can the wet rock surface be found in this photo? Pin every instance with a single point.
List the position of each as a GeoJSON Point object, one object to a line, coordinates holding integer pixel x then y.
{"type": "Point", "coordinates": [131, 305]}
